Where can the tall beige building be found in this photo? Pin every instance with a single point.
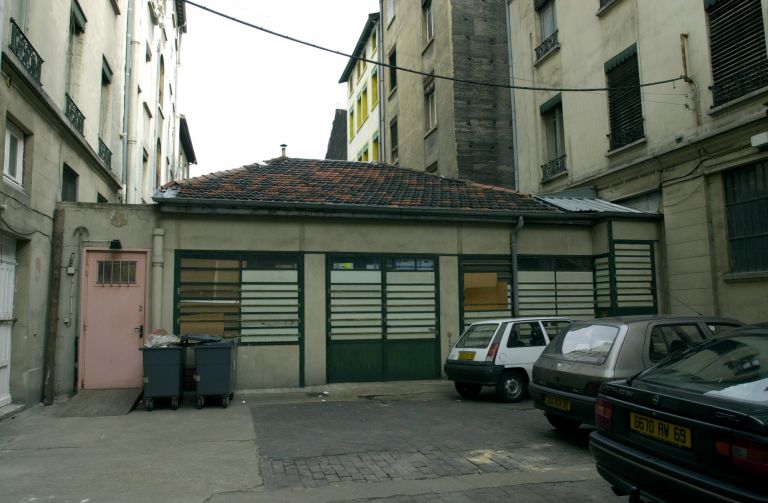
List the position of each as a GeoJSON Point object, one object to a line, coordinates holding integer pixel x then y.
{"type": "Point", "coordinates": [87, 113]}
{"type": "Point", "coordinates": [693, 148]}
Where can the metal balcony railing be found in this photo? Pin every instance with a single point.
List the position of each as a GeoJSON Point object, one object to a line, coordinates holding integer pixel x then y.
{"type": "Point", "coordinates": [553, 168]}
{"type": "Point", "coordinates": [105, 153]}
{"type": "Point", "coordinates": [74, 114]}
{"type": "Point", "coordinates": [547, 46]}
{"type": "Point", "coordinates": [739, 84]}
{"type": "Point", "coordinates": [21, 46]}
{"type": "Point", "coordinates": [626, 134]}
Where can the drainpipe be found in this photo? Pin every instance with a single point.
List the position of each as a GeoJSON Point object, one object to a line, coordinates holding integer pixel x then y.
{"type": "Point", "coordinates": [158, 236]}
{"type": "Point", "coordinates": [383, 133]}
{"type": "Point", "coordinates": [512, 109]}
{"type": "Point", "coordinates": [52, 315]}
{"type": "Point", "coordinates": [513, 256]}
{"type": "Point", "coordinates": [129, 104]}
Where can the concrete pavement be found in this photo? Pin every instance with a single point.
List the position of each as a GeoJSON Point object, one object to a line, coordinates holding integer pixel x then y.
{"type": "Point", "coordinates": [261, 449]}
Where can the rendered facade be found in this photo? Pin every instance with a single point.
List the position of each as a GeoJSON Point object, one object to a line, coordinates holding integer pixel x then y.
{"type": "Point", "coordinates": [74, 129]}
{"type": "Point", "coordinates": [363, 79]}
{"type": "Point", "coordinates": [452, 128]}
{"type": "Point", "coordinates": [693, 149]}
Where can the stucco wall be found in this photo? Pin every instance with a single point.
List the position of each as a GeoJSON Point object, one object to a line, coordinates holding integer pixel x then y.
{"type": "Point", "coordinates": [269, 366]}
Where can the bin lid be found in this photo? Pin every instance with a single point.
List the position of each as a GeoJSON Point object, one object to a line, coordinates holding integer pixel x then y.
{"type": "Point", "coordinates": [200, 338]}
{"type": "Point", "coordinates": [232, 341]}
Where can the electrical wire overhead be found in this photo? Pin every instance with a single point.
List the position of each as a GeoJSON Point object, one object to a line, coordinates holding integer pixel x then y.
{"type": "Point", "coordinates": [426, 74]}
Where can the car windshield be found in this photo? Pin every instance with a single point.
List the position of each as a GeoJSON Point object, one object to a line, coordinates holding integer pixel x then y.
{"type": "Point", "coordinates": [583, 343]}
{"type": "Point", "coordinates": [734, 367]}
{"type": "Point", "coordinates": [478, 336]}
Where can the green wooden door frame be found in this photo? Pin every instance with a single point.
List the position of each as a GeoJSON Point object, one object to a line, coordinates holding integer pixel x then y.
{"type": "Point", "coordinates": [384, 358]}
{"type": "Point", "coordinates": [244, 255]}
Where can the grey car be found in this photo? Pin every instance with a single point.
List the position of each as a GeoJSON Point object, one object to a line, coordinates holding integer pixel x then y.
{"type": "Point", "coordinates": [567, 375]}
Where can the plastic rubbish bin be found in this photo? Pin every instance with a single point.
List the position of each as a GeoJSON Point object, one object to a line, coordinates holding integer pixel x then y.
{"type": "Point", "coordinates": [215, 370]}
{"type": "Point", "coordinates": [163, 374]}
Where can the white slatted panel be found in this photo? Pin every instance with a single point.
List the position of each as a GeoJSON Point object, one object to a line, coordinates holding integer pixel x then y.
{"type": "Point", "coordinates": [634, 275]}
{"type": "Point", "coordinates": [411, 305]}
{"type": "Point", "coordinates": [355, 305]}
{"type": "Point", "coordinates": [269, 306]}
{"type": "Point", "coordinates": [603, 282]}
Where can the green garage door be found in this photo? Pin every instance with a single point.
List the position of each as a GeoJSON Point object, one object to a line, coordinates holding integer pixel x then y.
{"type": "Point", "coordinates": [383, 318]}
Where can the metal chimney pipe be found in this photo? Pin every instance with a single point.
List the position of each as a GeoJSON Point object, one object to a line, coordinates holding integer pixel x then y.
{"type": "Point", "coordinates": [282, 146]}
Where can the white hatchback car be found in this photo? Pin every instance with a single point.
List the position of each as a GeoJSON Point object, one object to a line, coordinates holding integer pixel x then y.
{"type": "Point", "coordinates": [500, 353]}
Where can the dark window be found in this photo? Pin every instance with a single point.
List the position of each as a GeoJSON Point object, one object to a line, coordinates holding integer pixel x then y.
{"type": "Point", "coordinates": [392, 70]}
{"type": "Point", "coordinates": [101, 199]}
{"type": "Point", "coordinates": [68, 184]}
{"type": "Point", "coordinates": [672, 338]}
{"type": "Point", "coordinates": [393, 139]}
{"type": "Point", "coordinates": [746, 203]}
{"type": "Point", "coordinates": [624, 104]}
{"type": "Point", "coordinates": [737, 48]}
{"type": "Point", "coordinates": [525, 335]}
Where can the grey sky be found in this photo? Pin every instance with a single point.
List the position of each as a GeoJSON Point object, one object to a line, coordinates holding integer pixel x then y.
{"type": "Point", "coordinates": [245, 92]}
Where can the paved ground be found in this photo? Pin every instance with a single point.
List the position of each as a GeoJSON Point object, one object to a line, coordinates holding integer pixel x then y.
{"type": "Point", "coordinates": [407, 443]}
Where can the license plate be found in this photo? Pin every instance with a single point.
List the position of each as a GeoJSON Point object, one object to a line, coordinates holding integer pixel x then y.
{"type": "Point", "coordinates": [466, 355]}
{"type": "Point", "coordinates": [660, 430]}
{"type": "Point", "coordinates": [557, 402]}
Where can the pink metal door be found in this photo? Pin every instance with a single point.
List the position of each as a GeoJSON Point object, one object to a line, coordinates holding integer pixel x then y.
{"type": "Point", "coordinates": [114, 319]}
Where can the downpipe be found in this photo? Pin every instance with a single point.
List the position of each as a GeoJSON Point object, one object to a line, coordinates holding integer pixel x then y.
{"type": "Point", "coordinates": [513, 259]}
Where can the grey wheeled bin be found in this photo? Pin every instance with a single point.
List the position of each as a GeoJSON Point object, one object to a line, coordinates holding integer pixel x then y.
{"type": "Point", "coordinates": [163, 375]}
{"type": "Point", "coordinates": [215, 370]}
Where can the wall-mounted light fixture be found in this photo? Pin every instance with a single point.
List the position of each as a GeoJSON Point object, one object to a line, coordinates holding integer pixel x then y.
{"type": "Point", "coordinates": [115, 244]}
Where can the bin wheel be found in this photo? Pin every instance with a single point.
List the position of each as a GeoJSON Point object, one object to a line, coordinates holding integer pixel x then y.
{"type": "Point", "coordinates": [174, 402]}
{"type": "Point", "coordinates": [149, 404]}
{"type": "Point", "coordinates": [200, 402]}
{"type": "Point", "coordinates": [224, 401]}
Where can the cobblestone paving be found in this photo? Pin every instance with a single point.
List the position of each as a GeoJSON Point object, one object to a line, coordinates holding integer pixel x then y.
{"type": "Point", "coordinates": [316, 445]}
{"type": "Point", "coordinates": [425, 463]}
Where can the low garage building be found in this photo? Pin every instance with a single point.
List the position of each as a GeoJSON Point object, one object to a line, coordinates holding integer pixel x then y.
{"type": "Point", "coordinates": [335, 271]}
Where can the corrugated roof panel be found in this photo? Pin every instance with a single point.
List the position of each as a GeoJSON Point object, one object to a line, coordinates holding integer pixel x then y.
{"type": "Point", "coordinates": [589, 205]}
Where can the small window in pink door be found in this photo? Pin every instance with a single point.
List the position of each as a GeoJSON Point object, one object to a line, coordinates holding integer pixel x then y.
{"type": "Point", "coordinates": [113, 321]}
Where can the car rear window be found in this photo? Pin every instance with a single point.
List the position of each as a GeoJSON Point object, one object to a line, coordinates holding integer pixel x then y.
{"type": "Point", "coordinates": [478, 336]}
{"type": "Point", "coordinates": [733, 367]}
{"type": "Point", "coordinates": [584, 343]}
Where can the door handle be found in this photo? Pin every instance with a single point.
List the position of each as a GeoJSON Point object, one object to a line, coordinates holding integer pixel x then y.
{"type": "Point", "coordinates": [140, 329]}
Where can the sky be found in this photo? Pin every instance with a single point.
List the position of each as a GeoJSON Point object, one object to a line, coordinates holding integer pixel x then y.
{"type": "Point", "coordinates": [245, 92]}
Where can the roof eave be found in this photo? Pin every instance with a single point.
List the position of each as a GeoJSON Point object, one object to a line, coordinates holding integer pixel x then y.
{"type": "Point", "coordinates": [370, 23]}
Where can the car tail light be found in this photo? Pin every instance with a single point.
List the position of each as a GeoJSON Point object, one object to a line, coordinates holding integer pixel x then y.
{"type": "Point", "coordinates": [492, 352]}
{"type": "Point", "coordinates": [592, 388]}
{"type": "Point", "coordinates": [603, 415]}
{"type": "Point", "coordinates": [746, 455]}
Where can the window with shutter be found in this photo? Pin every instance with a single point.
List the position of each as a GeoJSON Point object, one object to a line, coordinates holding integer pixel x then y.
{"type": "Point", "coordinates": [625, 108]}
{"type": "Point", "coordinates": [737, 48]}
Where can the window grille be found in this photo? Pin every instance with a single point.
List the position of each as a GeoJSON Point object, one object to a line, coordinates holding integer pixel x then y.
{"type": "Point", "coordinates": [746, 199]}
{"type": "Point", "coordinates": [737, 48]}
{"type": "Point", "coordinates": [116, 272]}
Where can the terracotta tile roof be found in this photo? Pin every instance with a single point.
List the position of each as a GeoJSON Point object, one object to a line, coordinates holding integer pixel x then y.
{"type": "Point", "coordinates": [330, 184]}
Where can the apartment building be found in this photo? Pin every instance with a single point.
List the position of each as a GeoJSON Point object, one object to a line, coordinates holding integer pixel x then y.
{"type": "Point", "coordinates": [449, 127]}
{"type": "Point", "coordinates": [364, 136]}
{"type": "Point", "coordinates": [671, 117]}
{"type": "Point", "coordinates": [88, 114]}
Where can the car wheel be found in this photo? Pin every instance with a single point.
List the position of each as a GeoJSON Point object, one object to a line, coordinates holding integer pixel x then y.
{"type": "Point", "coordinates": [562, 423]}
{"type": "Point", "coordinates": [511, 387]}
{"type": "Point", "coordinates": [467, 390]}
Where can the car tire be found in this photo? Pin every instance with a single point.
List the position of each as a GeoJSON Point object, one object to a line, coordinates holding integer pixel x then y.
{"type": "Point", "coordinates": [467, 390]}
{"type": "Point", "coordinates": [562, 423]}
{"type": "Point", "coordinates": [512, 387]}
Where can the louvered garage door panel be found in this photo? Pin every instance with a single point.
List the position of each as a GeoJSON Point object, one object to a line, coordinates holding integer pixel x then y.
{"type": "Point", "coordinates": [634, 276]}
{"type": "Point", "coordinates": [356, 304]}
{"type": "Point", "coordinates": [411, 305]}
{"type": "Point", "coordinates": [269, 306]}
